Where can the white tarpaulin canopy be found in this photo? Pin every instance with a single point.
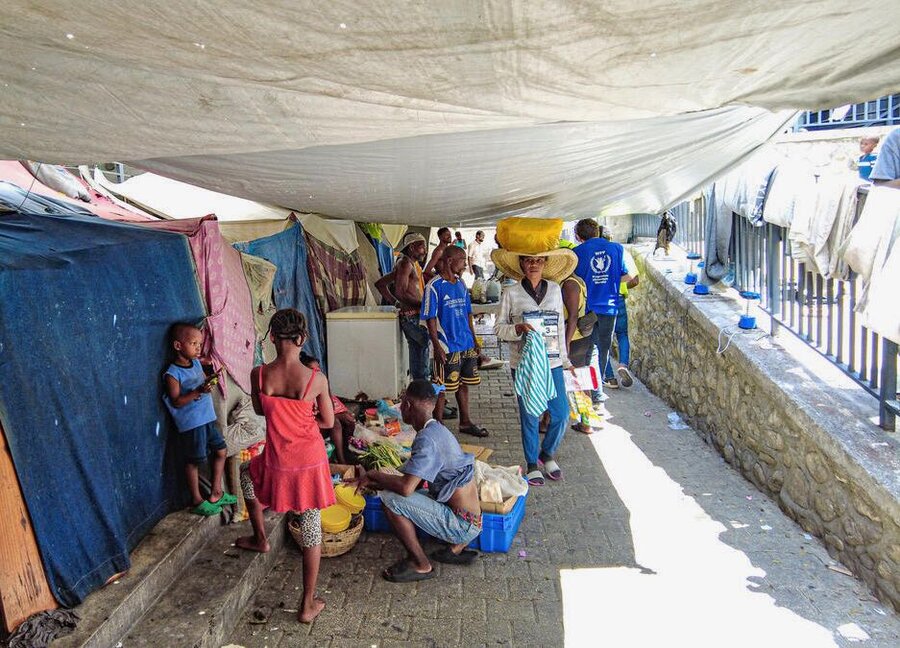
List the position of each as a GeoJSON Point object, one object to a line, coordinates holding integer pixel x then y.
{"type": "Point", "coordinates": [262, 86]}
{"type": "Point", "coordinates": [565, 170]}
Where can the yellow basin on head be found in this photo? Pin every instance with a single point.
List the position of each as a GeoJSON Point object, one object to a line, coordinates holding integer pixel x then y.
{"type": "Point", "coordinates": [335, 519]}
{"type": "Point", "coordinates": [349, 498]}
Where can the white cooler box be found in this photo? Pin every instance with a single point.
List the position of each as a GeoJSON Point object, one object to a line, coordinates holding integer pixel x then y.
{"type": "Point", "coordinates": [366, 352]}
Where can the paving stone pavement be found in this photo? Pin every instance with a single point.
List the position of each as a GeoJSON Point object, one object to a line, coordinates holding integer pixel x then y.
{"type": "Point", "coordinates": [517, 598]}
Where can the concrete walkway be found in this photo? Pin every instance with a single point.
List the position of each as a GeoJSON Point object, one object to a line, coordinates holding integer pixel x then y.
{"type": "Point", "coordinates": [651, 539]}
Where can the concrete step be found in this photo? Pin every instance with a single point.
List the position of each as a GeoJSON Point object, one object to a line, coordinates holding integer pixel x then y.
{"type": "Point", "coordinates": [202, 607]}
{"type": "Point", "coordinates": [108, 614]}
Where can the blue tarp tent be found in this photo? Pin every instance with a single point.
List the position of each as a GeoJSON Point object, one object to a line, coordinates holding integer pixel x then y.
{"type": "Point", "coordinates": [85, 305]}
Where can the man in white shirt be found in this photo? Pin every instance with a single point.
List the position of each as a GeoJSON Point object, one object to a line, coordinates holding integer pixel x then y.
{"type": "Point", "coordinates": [477, 255]}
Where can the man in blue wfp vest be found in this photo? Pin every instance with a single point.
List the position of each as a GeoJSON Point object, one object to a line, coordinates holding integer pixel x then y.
{"type": "Point", "coordinates": [601, 266]}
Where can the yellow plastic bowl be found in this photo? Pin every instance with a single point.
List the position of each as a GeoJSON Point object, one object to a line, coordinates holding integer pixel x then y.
{"type": "Point", "coordinates": [335, 519]}
{"type": "Point", "coordinates": [349, 498]}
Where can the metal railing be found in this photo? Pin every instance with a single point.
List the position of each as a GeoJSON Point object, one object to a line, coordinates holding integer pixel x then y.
{"type": "Point", "coordinates": [884, 111]}
{"type": "Point", "coordinates": [820, 312]}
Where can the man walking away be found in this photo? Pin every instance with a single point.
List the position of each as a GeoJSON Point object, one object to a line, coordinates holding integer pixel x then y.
{"type": "Point", "coordinates": [625, 378]}
{"type": "Point", "coordinates": [601, 266]}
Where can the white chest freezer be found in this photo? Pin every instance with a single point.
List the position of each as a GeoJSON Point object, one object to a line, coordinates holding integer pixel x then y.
{"type": "Point", "coordinates": [366, 352]}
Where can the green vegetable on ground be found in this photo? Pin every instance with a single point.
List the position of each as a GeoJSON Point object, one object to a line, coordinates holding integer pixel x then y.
{"type": "Point", "coordinates": [381, 455]}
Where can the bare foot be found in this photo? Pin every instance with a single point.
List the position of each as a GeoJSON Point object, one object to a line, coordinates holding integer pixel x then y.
{"type": "Point", "coordinates": [308, 615]}
{"type": "Point", "coordinates": [250, 543]}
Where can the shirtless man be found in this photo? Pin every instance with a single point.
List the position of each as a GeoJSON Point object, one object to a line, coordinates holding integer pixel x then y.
{"type": "Point", "coordinates": [449, 510]}
{"type": "Point", "coordinates": [409, 285]}
{"type": "Point", "coordinates": [445, 239]}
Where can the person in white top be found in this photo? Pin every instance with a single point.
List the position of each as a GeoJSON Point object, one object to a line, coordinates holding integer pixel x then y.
{"type": "Point", "coordinates": [535, 302]}
{"type": "Point", "coordinates": [477, 255]}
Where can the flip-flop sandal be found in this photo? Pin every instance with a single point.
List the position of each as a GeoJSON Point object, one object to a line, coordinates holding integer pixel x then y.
{"type": "Point", "coordinates": [402, 572]}
{"type": "Point", "coordinates": [449, 412]}
{"type": "Point", "coordinates": [584, 429]}
{"type": "Point", "coordinates": [227, 499]}
{"type": "Point", "coordinates": [552, 469]}
{"type": "Point", "coordinates": [535, 478]}
{"type": "Point", "coordinates": [446, 556]}
{"type": "Point", "coordinates": [206, 509]}
{"type": "Point", "coordinates": [474, 430]}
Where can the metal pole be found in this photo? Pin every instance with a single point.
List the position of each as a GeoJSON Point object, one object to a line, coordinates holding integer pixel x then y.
{"type": "Point", "coordinates": [773, 274]}
{"type": "Point", "coordinates": [890, 407]}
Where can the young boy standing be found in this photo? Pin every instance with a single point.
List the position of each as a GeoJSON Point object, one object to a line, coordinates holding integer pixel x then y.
{"type": "Point", "coordinates": [187, 397]}
{"type": "Point", "coordinates": [447, 312]}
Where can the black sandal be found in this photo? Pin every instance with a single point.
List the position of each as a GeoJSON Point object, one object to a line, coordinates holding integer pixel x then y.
{"type": "Point", "coordinates": [474, 430]}
{"type": "Point", "coordinates": [446, 556]}
{"type": "Point", "coordinates": [403, 572]}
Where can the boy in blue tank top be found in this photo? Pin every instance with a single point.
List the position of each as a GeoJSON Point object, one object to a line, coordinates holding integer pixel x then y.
{"type": "Point", "coordinates": [187, 397]}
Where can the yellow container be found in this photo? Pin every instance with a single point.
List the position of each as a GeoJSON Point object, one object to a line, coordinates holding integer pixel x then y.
{"type": "Point", "coordinates": [335, 519]}
{"type": "Point", "coordinates": [529, 235]}
{"type": "Point", "coordinates": [349, 498]}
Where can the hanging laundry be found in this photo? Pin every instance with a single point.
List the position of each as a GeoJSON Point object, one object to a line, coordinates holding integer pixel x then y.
{"type": "Point", "coordinates": [869, 245]}
{"type": "Point", "coordinates": [816, 234]}
{"type": "Point", "coordinates": [338, 278]}
{"type": "Point", "coordinates": [260, 278]}
{"type": "Point", "coordinates": [292, 287]}
{"type": "Point", "coordinates": [229, 337]}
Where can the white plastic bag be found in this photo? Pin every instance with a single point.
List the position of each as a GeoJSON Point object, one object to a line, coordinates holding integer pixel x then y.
{"type": "Point", "coordinates": [509, 479]}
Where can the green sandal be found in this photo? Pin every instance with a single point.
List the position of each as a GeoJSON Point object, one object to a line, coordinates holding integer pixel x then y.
{"type": "Point", "coordinates": [206, 509]}
{"type": "Point", "coordinates": [227, 499]}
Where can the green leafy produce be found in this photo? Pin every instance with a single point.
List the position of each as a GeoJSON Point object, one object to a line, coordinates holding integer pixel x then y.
{"type": "Point", "coordinates": [381, 455]}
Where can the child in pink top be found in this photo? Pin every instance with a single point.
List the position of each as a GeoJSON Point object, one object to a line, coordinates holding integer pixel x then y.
{"type": "Point", "coordinates": [292, 472]}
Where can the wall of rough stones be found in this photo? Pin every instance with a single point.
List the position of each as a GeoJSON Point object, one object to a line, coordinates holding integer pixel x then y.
{"type": "Point", "coordinates": [808, 446]}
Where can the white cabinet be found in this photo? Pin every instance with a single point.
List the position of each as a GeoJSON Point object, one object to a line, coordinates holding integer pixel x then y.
{"type": "Point", "coordinates": [366, 352]}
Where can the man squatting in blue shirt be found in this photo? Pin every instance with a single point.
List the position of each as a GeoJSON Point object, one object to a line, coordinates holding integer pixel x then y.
{"type": "Point", "coordinates": [448, 510]}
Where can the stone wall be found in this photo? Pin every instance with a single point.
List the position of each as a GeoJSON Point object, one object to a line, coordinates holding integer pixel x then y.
{"type": "Point", "coordinates": [799, 438]}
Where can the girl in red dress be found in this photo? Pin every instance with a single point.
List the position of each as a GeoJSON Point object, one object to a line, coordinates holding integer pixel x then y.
{"type": "Point", "coordinates": [292, 472]}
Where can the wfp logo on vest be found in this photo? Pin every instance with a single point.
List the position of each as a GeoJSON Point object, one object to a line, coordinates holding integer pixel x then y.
{"type": "Point", "coordinates": [600, 263]}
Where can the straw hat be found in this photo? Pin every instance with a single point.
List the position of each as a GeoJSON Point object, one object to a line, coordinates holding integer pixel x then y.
{"type": "Point", "coordinates": [560, 263]}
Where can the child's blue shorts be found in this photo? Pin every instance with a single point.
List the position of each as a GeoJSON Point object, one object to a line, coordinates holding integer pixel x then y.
{"type": "Point", "coordinates": [198, 442]}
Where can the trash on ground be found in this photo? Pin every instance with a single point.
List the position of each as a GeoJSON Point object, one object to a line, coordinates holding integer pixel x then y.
{"type": "Point", "coordinates": [648, 414]}
{"type": "Point", "coordinates": [765, 527]}
{"type": "Point", "coordinates": [738, 525]}
{"type": "Point", "coordinates": [676, 422]}
{"type": "Point", "coordinates": [853, 632]}
{"type": "Point", "coordinates": [840, 569]}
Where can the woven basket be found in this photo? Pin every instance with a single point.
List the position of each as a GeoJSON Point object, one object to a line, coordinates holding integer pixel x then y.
{"type": "Point", "coordinates": [333, 544]}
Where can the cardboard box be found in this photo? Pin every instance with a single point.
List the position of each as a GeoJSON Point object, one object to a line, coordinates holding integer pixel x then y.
{"type": "Point", "coordinates": [481, 453]}
{"type": "Point", "coordinates": [502, 508]}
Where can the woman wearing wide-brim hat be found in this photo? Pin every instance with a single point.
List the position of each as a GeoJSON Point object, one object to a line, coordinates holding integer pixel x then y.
{"type": "Point", "coordinates": [536, 297]}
